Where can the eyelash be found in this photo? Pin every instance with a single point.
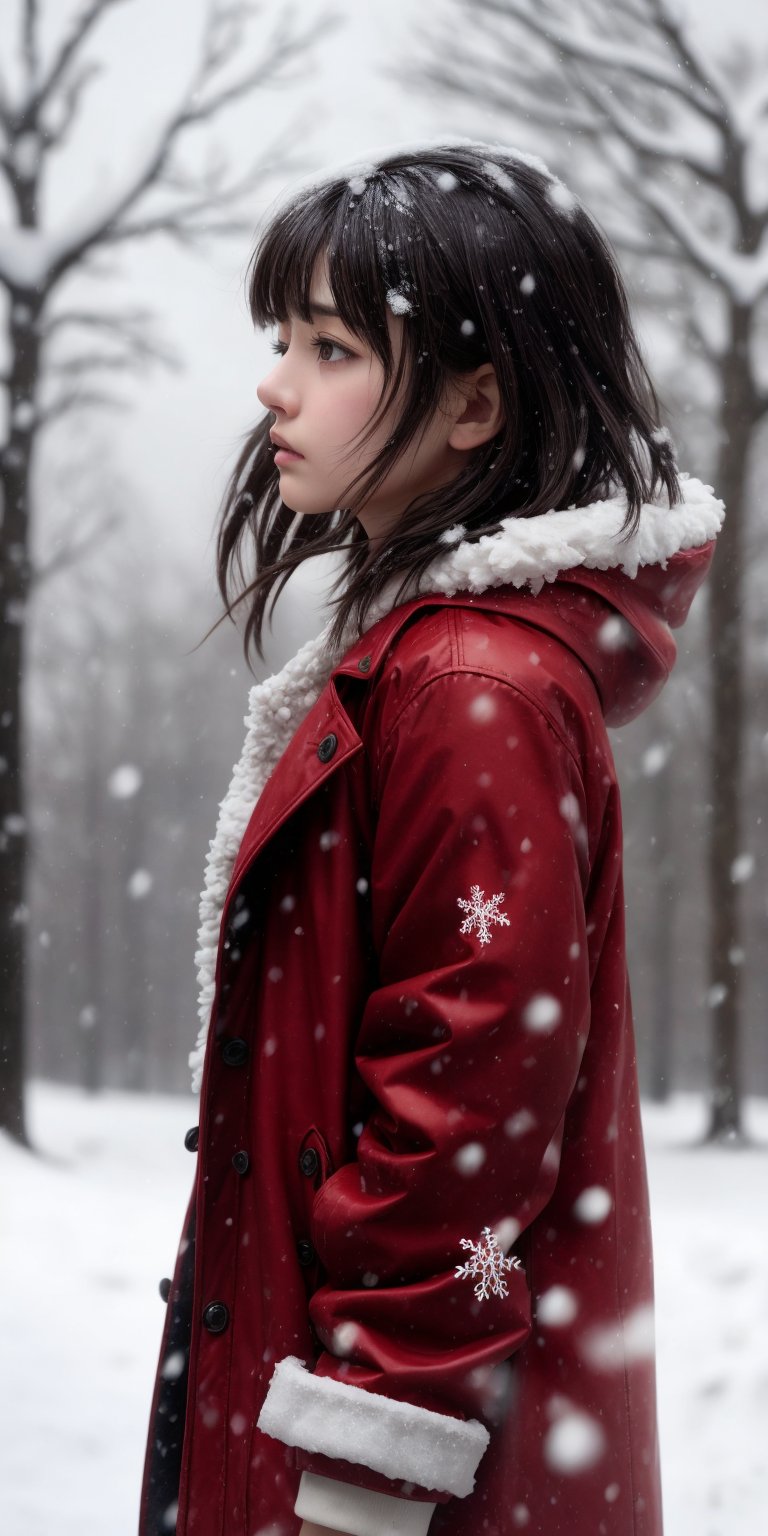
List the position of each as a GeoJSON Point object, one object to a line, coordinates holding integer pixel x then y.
{"type": "Point", "coordinates": [281, 347]}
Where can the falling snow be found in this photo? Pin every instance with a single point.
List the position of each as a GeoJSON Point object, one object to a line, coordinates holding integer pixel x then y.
{"type": "Point", "coordinates": [482, 708]}
{"type": "Point", "coordinates": [481, 913]}
{"type": "Point", "coordinates": [742, 868]}
{"type": "Point", "coordinates": [557, 1306]}
{"type": "Point", "coordinates": [593, 1204]}
{"type": "Point", "coordinates": [470, 1157]}
{"type": "Point", "coordinates": [542, 1013]}
{"type": "Point", "coordinates": [487, 1265]}
{"type": "Point", "coordinates": [125, 782]}
{"type": "Point", "coordinates": [140, 884]}
{"type": "Point", "coordinates": [574, 1442]}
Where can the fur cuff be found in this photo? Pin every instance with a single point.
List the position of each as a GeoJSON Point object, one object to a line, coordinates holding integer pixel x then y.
{"type": "Point", "coordinates": [397, 1439]}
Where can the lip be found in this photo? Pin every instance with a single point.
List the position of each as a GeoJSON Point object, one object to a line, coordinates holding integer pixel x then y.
{"type": "Point", "coordinates": [286, 448]}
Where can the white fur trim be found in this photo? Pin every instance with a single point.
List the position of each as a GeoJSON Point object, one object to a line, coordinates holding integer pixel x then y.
{"type": "Point", "coordinates": [397, 1439]}
{"type": "Point", "coordinates": [525, 552]}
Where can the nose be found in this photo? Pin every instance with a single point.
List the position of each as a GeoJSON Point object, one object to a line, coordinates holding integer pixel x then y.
{"type": "Point", "coordinates": [275, 393]}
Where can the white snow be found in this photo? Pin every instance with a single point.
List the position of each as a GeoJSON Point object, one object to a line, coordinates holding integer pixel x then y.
{"type": "Point", "coordinates": [140, 884]}
{"type": "Point", "coordinates": [482, 707]}
{"type": "Point", "coordinates": [398, 302]}
{"type": "Point", "coordinates": [556, 1307]}
{"type": "Point", "coordinates": [742, 868]}
{"type": "Point", "coordinates": [481, 912]}
{"type": "Point", "coordinates": [470, 1157]}
{"type": "Point", "coordinates": [575, 1441]}
{"type": "Point", "coordinates": [593, 1204]}
{"type": "Point", "coordinates": [654, 758]}
{"type": "Point", "coordinates": [91, 1225]}
{"type": "Point", "coordinates": [125, 782]}
{"type": "Point", "coordinates": [542, 1012]}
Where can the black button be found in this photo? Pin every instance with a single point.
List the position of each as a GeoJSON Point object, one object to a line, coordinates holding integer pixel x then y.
{"type": "Point", "coordinates": [305, 1251]}
{"type": "Point", "coordinates": [216, 1316]}
{"type": "Point", "coordinates": [165, 1289]}
{"type": "Point", "coordinates": [309, 1162]}
{"type": "Point", "coordinates": [192, 1137]}
{"type": "Point", "coordinates": [234, 1052]}
{"type": "Point", "coordinates": [241, 1162]}
{"type": "Point", "coordinates": [364, 664]}
{"type": "Point", "coordinates": [327, 747]}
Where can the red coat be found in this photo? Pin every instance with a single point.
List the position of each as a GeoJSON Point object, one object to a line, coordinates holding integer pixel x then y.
{"type": "Point", "coordinates": [421, 1040]}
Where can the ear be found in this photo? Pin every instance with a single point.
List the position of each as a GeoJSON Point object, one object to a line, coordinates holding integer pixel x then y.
{"type": "Point", "coordinates": [478, 412]}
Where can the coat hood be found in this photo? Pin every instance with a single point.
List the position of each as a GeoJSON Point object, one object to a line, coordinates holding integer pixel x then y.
{"type": "Point", "coordinates": [613, 600]}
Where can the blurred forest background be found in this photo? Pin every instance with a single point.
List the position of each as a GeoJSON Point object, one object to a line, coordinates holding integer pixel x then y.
{"type": "Point", "coordinates": [141, 141]}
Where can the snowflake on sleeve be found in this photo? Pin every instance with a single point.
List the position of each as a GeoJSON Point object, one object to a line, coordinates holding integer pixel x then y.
{"type": "Point", "coordinates": [487, 1262]}
{"type": "Point", "coordinates": [481, 913]}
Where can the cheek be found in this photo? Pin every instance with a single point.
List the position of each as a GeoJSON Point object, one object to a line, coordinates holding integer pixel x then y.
{"type": "Point", "coordinates": [348, 410]}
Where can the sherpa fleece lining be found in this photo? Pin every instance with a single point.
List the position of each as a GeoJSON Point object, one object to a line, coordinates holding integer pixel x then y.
{"type": "Point", "coordinates": [525, 552]}
{"type": "Point", "coordinates": [397, 1439]}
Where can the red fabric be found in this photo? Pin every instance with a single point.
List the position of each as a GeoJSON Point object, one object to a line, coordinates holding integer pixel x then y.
{"type": "Point", "coordinates": [473, 752]}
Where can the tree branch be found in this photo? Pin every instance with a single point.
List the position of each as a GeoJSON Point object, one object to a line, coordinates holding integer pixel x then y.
{"type": "Point", "coordinates": [75, 402]}
{"type": "Point", "coordinates": [639, 63]}
{"type": "Point", "coordinates": [110, 227]}
{"type": "Point", "coordinates": [139, 351]}
{"type": "Point", "coordinates": [462, 83]}
{"type": "Point", "coordinates": [639, 137]}
{"type": "Point", "coordinates": [80, 28]}
{"type": "Point", "coordinates": [669, 27]}
{"type": "Point", "coordinates": [70, 550]}
{"type": "Point", "coordinates": [56, 135]}
{"type": "Point", "coordinates": [744, 278]}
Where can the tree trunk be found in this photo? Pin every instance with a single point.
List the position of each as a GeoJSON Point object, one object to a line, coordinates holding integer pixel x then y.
{"type": "Point", "coordinates": [93, 1014]}
{"type": "Point", "coordinates": [664, 899]}
{"type": "Point", "coordinates": [13, 845]}
{"type": "Point", "coordinates": [725, 616]}
{"type": "Point", "coordinates": [15, 473]}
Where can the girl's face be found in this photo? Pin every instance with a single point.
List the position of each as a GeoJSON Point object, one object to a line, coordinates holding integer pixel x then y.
{"type": "Point", "coordinates": [323, 392]}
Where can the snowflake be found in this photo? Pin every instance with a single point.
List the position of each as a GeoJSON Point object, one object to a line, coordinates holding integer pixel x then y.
{"type": "Point", "coordinates": [480, 913]}
{"type": "Point", "coordinates": [489, 1263]}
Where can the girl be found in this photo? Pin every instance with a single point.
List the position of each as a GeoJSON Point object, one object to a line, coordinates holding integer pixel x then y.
{"type": "Point", "coordinates": [414, 1287]}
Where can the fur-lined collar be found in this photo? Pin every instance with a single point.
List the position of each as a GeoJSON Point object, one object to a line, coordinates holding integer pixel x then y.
{"type": "Point", "coordinates": [525, 552]}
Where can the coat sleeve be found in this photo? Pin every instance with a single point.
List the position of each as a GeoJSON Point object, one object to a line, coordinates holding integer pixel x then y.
{"type": "Point", "coordinates": [470, 1047]}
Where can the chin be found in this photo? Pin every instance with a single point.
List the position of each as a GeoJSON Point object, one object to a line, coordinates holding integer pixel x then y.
{"type": "Point", "coordinates": [304, 511]}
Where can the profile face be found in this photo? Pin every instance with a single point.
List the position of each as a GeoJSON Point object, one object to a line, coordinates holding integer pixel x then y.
{"type": "Point", "coordinates": [323, 391]}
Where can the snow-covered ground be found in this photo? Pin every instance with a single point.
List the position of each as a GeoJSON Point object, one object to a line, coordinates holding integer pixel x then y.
{"type": "Point", "coordinates": [88, 1228]}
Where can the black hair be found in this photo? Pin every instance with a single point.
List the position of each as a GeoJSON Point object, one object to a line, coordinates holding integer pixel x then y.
{"type": "Point", "coordinates": [490, 258]}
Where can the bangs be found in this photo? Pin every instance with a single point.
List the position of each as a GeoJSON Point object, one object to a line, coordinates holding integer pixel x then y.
{"type": "Point", "coordinates": [362, 228]}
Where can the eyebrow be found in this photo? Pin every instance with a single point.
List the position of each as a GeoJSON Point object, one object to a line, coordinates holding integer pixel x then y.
{"type": "Point", "coordinates": [323, 309]}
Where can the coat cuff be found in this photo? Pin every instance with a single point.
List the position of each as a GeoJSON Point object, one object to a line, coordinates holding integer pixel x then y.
{"type": "Point", "coordinates": [359, 1511]}
{"type": "Point", "coordinates": [399, 1439]}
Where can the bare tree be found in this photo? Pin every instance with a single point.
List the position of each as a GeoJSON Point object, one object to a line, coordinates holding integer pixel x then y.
{"type": "Point", "coordinates": [159, 196]}
{"type": "Point", "coordinates": [676, 139]}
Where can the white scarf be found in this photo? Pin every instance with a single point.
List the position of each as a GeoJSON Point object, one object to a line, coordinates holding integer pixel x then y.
{"type": "Point", "coordinates": [525, 552]}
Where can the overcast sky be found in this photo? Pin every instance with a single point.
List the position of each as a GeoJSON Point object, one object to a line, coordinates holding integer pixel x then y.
{"type": "Point", "coordinates": [176, 446]}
